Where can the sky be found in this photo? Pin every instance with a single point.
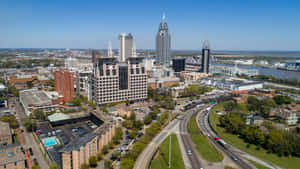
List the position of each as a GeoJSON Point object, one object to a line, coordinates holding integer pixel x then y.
{"type": "Point", "coordinates": [227, 24]}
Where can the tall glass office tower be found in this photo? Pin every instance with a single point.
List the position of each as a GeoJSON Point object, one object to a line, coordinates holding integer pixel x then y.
{"type": "Point", "coordinates": [163, 44]}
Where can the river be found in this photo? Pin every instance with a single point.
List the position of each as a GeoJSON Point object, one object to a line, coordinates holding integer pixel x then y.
{"type": "Point", "coordinates": [282, 74]}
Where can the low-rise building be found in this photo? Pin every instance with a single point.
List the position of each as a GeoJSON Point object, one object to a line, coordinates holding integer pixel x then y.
{"type": "Point", "coordinates": [11, 157]}
{"type": "Point", "coordinates": [254, 120]}
{"type": "Point", "coordinates": [163, 82]}
{"type": "Point", "coordinates": [193, 76]}
{"type": "Point", "coordinates": [34, 99]}
{"type": "Point", "coordinates": [288, 116]}
{"type": "Point", "coordinates": [235, 85]}
{"type": "Point", "coordinates": [21, 82]}
{"type": "Point", "coordinates": [5, 134]}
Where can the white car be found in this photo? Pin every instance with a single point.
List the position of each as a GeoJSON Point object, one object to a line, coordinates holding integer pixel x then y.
{"type": "Point", "coordinates": [189, 152]}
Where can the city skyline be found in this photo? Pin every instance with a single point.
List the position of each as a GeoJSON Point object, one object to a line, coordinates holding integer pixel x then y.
{"type": "Point", "coordinates": [251, 25]}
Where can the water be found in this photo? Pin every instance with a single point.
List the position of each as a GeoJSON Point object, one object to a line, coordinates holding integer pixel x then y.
{"type": "Point", "coordinates": [49, 141]}
{"type": "Point", "coordinates": [268, 71]}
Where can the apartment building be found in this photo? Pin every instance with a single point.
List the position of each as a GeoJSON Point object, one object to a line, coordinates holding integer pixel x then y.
{"type": "Point", "coordinates": [64, 84]}
{"type": "Point", "coordinates": [80, 150]}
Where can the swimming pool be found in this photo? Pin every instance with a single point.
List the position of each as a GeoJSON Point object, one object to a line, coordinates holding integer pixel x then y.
{"type": "Point", "coordinates": [50, 141]}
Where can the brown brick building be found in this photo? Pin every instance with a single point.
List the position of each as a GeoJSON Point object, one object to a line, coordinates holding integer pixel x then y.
{"type": "Point", "coordinates": [11, 156]}
{"type": "Point", "coordinates": [20, 82]}
{"type": "Point", "coordinates": [80, 150]}
{"type": "Point", "coordinates": [64, 84]}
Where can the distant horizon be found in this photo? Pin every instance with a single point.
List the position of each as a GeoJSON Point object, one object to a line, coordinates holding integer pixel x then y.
{"type": "Point", "coordinates": [192, 50]}
{"type": "Point", "coordinates": [251, 25]}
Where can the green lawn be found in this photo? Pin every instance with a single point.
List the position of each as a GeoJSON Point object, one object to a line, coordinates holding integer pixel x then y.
{"type": "Point", "coordinates": [162, 160]}
{"type": "Point", "coordinates": [205, 149]}
{"type": "Point", "coordinates": [284, 162]}
{"type": "Point", "coordinates": [228, 167]}
{"type": "Point", "coordinates": [257, 165]}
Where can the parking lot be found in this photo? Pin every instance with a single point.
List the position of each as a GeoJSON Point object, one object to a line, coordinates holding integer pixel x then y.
{"type": "Point", "coordinates": [67, 132]}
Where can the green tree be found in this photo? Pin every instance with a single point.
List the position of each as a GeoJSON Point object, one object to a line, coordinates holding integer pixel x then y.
{"type": "Point", "coordinates": [99, 156]}
{"type": "Point", "coordinates": [93, 161]}
{"type": "Point", "coordinates": [147, 119]}
{"type": "Point", "coordinates": [253, 103]}
{"type": "Point", "coordinates": [76, 101]}
{"type": "Point", "coordinates": [35, 167]}
{"type": "Point", "coordinates": [105, 149]}
{"type": "Point", "coordinates": [115, 155]}
{"type": "Point", "coordinates": [11, 119]}
{"type": "Point", "coordinates": [282, 100]}
{"type": "Point", "coordinates": [29, 84]}
{"type": "Point", "coordinates": [126, 163]}
{"type": "Point", "coordinates": [38, 114]}
{"type": "Point", "coordinates": [13, 90]}
{"type": "Point", "coordinates": [53, 166]}
{"type": "Point", "coordinates": [132, 116]}
{"type": "Point", "coordinates": [84, 166]}
{"type": "Point", "coordinates": [138, 124]}
{"type": "Point", "coordinates": [30, 124]}
{"type": "Point", "coordinates": [107, 164]}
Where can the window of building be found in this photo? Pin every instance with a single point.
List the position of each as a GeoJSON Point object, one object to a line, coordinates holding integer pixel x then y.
{"type": "Point", "coordinates": [131, 71]}
{"type": "Point", "coordinates": [107, 72]}
{"type": "Point", "coordinates": [143, 70]}
{"type": "Point", "coordinates": [137, 71]}
{"type": "Point", "coordinates": [114, 72]}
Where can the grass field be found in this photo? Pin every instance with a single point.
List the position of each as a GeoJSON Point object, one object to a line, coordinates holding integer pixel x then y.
{"type": "Point", "coordinates": [284, 162]}
{"type": "Point", "coordinates": [205, 149]}
{"type": "Point", "coordinates": [162, 160]}
{"type": "Point", "coordinates": [257, 165]}
{"type": "Point", "coordinates": [228, 167]}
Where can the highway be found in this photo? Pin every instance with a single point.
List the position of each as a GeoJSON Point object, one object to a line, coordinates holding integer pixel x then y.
{"type": "Point", "coordinates": [206, 130]}
{"type": "Point", "coordinates": [178, 125]}
{"type": "Point", "coordinates": [186, 140]}
{"type": "Point", "coordinates": [145, 157]}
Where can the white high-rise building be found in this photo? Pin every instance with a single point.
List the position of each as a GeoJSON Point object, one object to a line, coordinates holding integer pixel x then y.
{"type": "Point", "coordinates": [125, 46]}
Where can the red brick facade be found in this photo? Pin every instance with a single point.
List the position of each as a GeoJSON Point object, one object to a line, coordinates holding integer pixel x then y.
{"type": "Point", "coordinates": [64, 84]}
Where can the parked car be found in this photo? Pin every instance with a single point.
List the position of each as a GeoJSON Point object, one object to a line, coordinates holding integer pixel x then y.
{"type": "Point", "coordinates": [35, 162]}
{"type": "Point", "coordinates": [30, 151]}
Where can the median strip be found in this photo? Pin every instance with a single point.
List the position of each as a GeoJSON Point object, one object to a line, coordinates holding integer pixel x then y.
{"type": "Point", "coordinates": [205, 149]}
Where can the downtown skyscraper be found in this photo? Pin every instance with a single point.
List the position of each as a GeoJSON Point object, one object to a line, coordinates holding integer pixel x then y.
{"type": "Point", "coordinates": [205, 57]}
{"type": "Point", "coordinates": [125, 46]}
{"type": "Point", "coordinates": [163, 43]}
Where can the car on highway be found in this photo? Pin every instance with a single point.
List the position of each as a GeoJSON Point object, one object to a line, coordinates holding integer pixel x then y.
{"type": "Point", "coordinates": [189, 152]}
{"type": "Point", "coordinates": [234, 158]}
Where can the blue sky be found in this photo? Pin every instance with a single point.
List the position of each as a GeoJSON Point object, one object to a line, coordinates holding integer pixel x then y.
{"type": "Point", "coordinates": [228, 24]}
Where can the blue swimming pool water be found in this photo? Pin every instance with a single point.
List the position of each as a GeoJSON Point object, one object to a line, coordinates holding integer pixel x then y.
{"type": "Point", "coordinates": [49, 141]}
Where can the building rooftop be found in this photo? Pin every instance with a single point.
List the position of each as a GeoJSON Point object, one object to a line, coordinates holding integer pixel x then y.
{"type": "Point", "coordinates": [77, 143]}
{"type": "Point", "coordinates": [58, 117]}
{"type": "Point", "coordinates": [11, 156]}
{"type": "Point", "coordinates": [4, 129]}
{"type": "Point", "coordinates": [2, 87]}
{"type": "Point", "coordinates": [34, 97]}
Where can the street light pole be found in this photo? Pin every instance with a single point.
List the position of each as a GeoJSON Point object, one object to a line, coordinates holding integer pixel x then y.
{"type": "Point", "coordinates": [170, 149]}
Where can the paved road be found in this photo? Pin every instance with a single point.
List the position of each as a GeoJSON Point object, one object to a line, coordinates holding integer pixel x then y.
{"type": "Point", "coordinates": [205, 128]}
{"type": "Point", "coordinates": [187, 142]}
{"type": "Point", "coordinates": [29, 140]}
{"type": "Point", "coordinates": [230, 151]}
{"type": "Point", "coordinates": [145, 157]}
